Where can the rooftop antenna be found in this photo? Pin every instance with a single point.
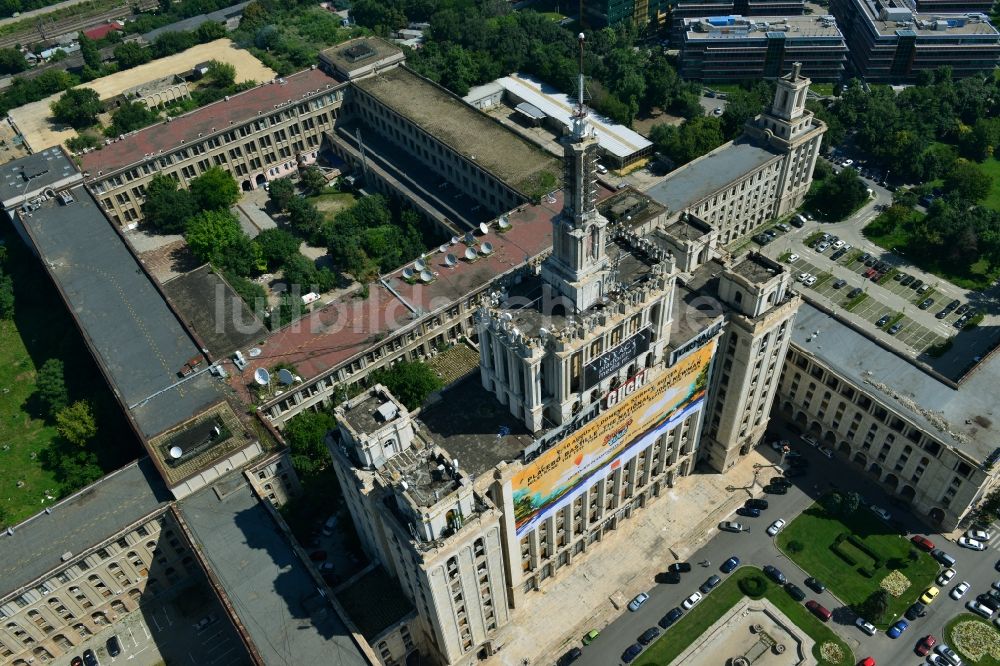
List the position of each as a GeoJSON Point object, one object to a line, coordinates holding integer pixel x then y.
{"type": "Point", "coordinates": [285, 377]}
{"type": "Point", "coordinates": [262, 377]}
{"type": "Point", "coordinates": [176, 452]}
{"type": "Point", "coordinates": [580, 115]}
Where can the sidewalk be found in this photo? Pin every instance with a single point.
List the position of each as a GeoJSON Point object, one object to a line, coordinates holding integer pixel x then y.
{"type": "Point", "coordinates": [622, 565]}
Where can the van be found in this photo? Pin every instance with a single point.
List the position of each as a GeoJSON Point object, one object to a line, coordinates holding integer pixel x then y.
{"type": "Point", "coordinates": [943, 557]}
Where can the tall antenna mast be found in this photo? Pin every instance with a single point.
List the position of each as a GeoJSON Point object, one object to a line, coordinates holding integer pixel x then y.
{"type": "Point", "coordinates": [580, 130]}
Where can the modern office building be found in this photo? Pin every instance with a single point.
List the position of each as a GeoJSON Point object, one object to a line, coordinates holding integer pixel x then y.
{"type": "Point", "coordinates": [612, 13]}
{"type": "Point", "coordinates": [890, 43]}
{"type": "Point", "coordinates": [737, 48]}
{"type": "Point", "coordinates": [681, 10]}
{"type": "Point", "coordinates": [955, 6]}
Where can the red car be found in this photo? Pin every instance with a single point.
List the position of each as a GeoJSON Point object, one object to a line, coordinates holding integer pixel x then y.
{"type": "Point", "coordinates": [818, 610]}
{"type": "Point", "coordinates": [922, 542]}
{"type": "Point", "coordinates": [867, 661]}
{"type": "Point", "coordinates": [925, 644]}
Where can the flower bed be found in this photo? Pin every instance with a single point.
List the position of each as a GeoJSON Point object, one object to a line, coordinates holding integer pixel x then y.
{"type": "Point", "coordinates": [831, 652]}
{"type": "Point", "coordinates": [895, 583]}
{"type": "Point", "coordinates": [976, 639]}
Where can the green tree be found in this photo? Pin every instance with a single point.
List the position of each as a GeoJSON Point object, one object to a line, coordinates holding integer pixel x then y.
{"type": "Point", "coordinates": [222, 74]}
{"type": "Point", "coordinates": [209, 31]}
{"type": "Point", "coordinates": [832, 502]}
{"type": "Point", "coordinates": [241, 257]}
{"type": "Point", "coordinates": [850, 504]}
{"type": "Point", "coordinates": [312, 179]}
{"type": "Point", "coordinates": [75, 468]}
{"type": "Point", "coordinates": [409, 381]}
{"type": "Point", "coordinates": [78, 108]}
{"type": "Point", "coordinates": [839, 196]}
{"type": "Point", "coordinates": [170, 43]}
{"type": "Point", "coordinates": [50, 383]}
{"type": "Point", "coordinates": [306, 437]}
{"type": "Point", "coordinates": [215, 189]}
{"type": "Point", "coordinates": [210, 232]}
{"type": "Point", "coordinates": [967, 181]}
{"type": "Point", "coordinates": [691, 140]}
{"type": "Point", "coordinates": [277, 246]}
{"type": "Point", "coordinates": [304, 218]}
{"type": "Point", "coordinates": [167, 208]}
{"type": "Point", "coordinates": [875, 606]}
{"type": "Point", "coordinates": [91, 54]}
{"type": "Point", "coordinates": [253, 294]}
{"type": "Point", "coordinates": [76, 423]}
{"type": "Point", "coordinates": [12, 61]}
{"type": "Point", "coordinates": [131, 54]}
{"type": "Point", "coordinates": [129, 117]}
{"type": "Point", "coordinates": [6, 297]}
{"type": "Point", "coordinates": [254, 17]}
{"type": "Point", "coordinates": [280, 192]}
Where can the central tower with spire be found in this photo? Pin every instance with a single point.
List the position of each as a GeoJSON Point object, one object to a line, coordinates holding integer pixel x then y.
{"type": "Point", "coordinates": [578, 265]}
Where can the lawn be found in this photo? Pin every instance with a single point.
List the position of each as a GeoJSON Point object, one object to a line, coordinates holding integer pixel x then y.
{"type": "Point", "coordinates": [815, 530]}
{"type": "Point", "coordinates": [694, 623]}
{"type": "Point", "coordinates": [332, 203]}
{"type": "Point", "coordinates": [975, 637]}
{"type": "Point", "coordinates": [42, 329]}
{"type": "Point", "coordinates": [992, 167]}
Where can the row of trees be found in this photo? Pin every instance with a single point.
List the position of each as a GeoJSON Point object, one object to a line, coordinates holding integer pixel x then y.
{"type": "Point", "coordinates": [835, 196]}
{"type": "Point", "coordinates": [74, 462]}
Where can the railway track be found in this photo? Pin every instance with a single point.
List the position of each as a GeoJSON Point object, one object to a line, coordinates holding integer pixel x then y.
{"type": "Point", "coordinates": [43, 30]}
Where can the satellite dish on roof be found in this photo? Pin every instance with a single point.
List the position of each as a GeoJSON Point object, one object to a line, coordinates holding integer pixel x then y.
{"type": "Point", "coordinates": [443, 249]}
{"type": "Point", "coordinates": [470, 254]}
{"type": "Point", "coordinates": [262, 376]}
{"type": "Point", "coordinates": [450, 260]}
{"type": "Point", "coordinates": [469, 238]}
{"type": "Point", "coordinates": [426, 276]}
{"type": "Point", "coordinates": [407, 273]}
{"type": "Point", "coordinates": [254, 352]}
{"type": "Point", "coordinates": [454, 239]}
{"type": "Point", "coordinates": [504, 223]}
{"type": "Point", "coordinates": [285, 377]}
{"type": "Point", "coordinates": [176, 452]}
{"type": "Point", "coordinates": [486, 248]}
{"type": "Point", "coordinates": [419, 265]}
{"type": "Point", "coordinates": [483, 229]}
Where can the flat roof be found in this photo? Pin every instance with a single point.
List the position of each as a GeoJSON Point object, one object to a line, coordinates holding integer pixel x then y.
{"type": "Point", "coordinates": [759, 27]}
{"type": "Point", "coordinates": [361, 54]}
{"type": "Point", "coordinates": [131, 330]}
{"type": "Point", "coordinates": [372, 619]}
{"type": "Point", "coordinates": [79, 522]}
{"type": "Point", "coordinates": [274, 596]}
{"type": "Point", "coordinates": [616, 139]}
{"type": "Point", "coordinates": [710, 173]}
{"type": "Point", "coordinates": [221, 15]}
{"type": "Point", "coordinates": [469, 132]}
{"type": "Point", "coordinates": [940, 25]}
{"type": "Point", "coordinates": [967, 418]}
{"type": "Point", "coordinates": [220, 318]}
{"type": "Point", "coordinates": [238, 109]}
{"type": "Point", "coordinates": [27, 176]}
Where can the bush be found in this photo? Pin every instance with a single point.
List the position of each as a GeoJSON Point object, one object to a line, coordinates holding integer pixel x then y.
{"type": "Point", "coordinates": [753, 586]}
{"type": "Point", "coordinates": [867, 573]}
{"type": "Point", "coordinates": [795, 547]}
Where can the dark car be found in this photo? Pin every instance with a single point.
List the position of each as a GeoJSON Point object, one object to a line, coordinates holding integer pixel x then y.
{"type": "Point", "coordinates": [671, 578]}
{"type": "Point", "coordinates": [883, 320]}
{"type": "Point", "coordinates": [649, 635]}
{"type": "Point", "coordinates": [89, 658]}
{"type": "Point", "coordinates": [570, 657]}
{"type": "Point", "coordinates": [631, 653]}
{"type": "Point", "coordinates": [679, 567]}
{"type": "Point", "coordinates": [915, 611]}
{"type": "Point", "coordinates": [756, 503]}
{"type": "Point", "coordinates": [837, 255]}
{"type": "Point", "coordinates": [730, 564]}
{"type": "Point", "coordinates": [941, 314]}
{"type": "Point", "coordinates": [916, 284]}
{"type": "Point", "coordinates": [709, 584]}
{"type": "Point", "coordinates": [907, 280]}
{"type": "Point", "coordinates": [839, 283]}
{"type": "Point", "coordinates": [794, 472]}
{"type": "Point", "coordinates": [795, 592]}
{"type": "Point", "coordinates": [778, 481]}
{"type": "Point", "coordinates": [748, 512]}
{"type": "Point", "coordinates": [854, 293]}
{"type": "Point", "coordinates": [776, 490]}
{"type": "Point", "coordinates": [895, 328]}
{"type": "Point", "coordinates": [667, 620]}
{"type": "Point", "coordinates": [953, 304]}
{"type": "Point", "coordinates": [113, 646]}
{"type": "Point", "coordinates": [76, 662]}
{"type": "Point", "coordinates": [775, 574]}
{"type": "Point", "coordinates": [865, 257]}
{"type": "Point", "coordinates": [990, 601]}
{"type": "Point", "coordinates": [818, 610]}
{"type": "Point", "coordinates": [816, 585]}
{"type": "Point", "coordinates": [962, 309]}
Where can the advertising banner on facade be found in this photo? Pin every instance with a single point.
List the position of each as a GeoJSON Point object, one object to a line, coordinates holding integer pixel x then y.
{"type": "Point", "coordinates": [634, 415]}
{"type": "Point", "coordinates": [615, 359]}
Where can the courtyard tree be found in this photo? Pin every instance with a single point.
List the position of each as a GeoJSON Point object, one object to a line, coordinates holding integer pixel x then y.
{"type": "Point", "coordinates": [51, 386]}
{"type": "Point", "coordinates": [875, 606]}
{"type": "Point", "coordinates": [215, 189]}
{"type": "Point", "coordinates": [410, 381]}
{"type": "Point", "coordinates": [306, 437]}
{"type": "Point", "coordinates": [277, 246]}
{"type": "Point", "coordinates": [6, 297]}
{"type": "Point", "coordinates": [312, 179]}
{"type": "Point", "coordinates": [76, 423]}
{"type": "Point", "coordinates": [280, 193]}
{"type": "Point", "coordinates": [839, 196]}
{"type": "Point", "coordinates": [131, 54]}
{"type": "Point", "coordinates": [167, 208]}
{"type": "Point", "coordinates": [77, 107]}
{"type": "Point", "coordinates": [210, 232]}
{"type": "Point", "coordinates": [130, 117]}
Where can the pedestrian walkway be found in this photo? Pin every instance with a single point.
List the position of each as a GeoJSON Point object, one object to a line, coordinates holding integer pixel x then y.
{"type": "Point", "coordinates": [590, 594]}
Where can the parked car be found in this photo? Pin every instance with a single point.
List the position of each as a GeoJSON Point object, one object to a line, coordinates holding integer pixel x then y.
{"type": "Point", "coordinates": [776, 489]}
{"type": "Point", "coordinates": [897, 629]}
{"type": "Point", "coordinates": [748, 512]}
{"type": "Point", "coordinates": [792, 258]}
{"type": "Point", "coordinates": [979, 609]}
{"type": "Point", "coordinates": [679, 567]}
{"type": "Point", "coordinates": [948, 654]}
{"type": "Point", "coordinates": [775, 527]}
{"type": "Point", "coordinates": [915, 610]}
{"type": "Point", "coordinates": [649, 635]}
{"type": "Point", "coordinates": [979, 535]}
{"type": "Point", "coordinates": [113, 646]}
{"type": "Point", "coordinates": [990, 601]}
{"type": "Point", "coordinates": [709, 584]}
{"type": "Point", "coordinates": [880, 512]}
{"type": "Point", "coordinates": [839, 283]}
{"type": "Point", "coordinates": [959, 590]}
{"type": "Point", "coordinates": [730, 564]}
{"type": "Point", "coordinates": [895, 328]}
{"type": "Point", "coordinates": [922, 542]}
{"type": "Point", "coordinates": [591, 636]}
{"type": "Point", "coordinates": [795, 592]}
{"type": "Point", "coordinates": [916, 284]}
{"type": "Point", "coordinates": [971, 544]}
{"type": "Point", "coordinates": [827, 452]}
{"type": "Point", "coordinates": [943, 557]}
{"type": "Point", "coordinates": [816, 585]}
{"type": "Point", "coordinates": [730, 526]}
{"type": "Point", "coordinates": [691, 601]}
{"type": "Point", "coordinates": [77, 661]}
{"type": "Point", "coordinates": [929, 595]}
{"type": "Point", "coordinates": [810, 441]}
{"type": "Point", "coordinates": [866, 626]}
{"type": "Point", "coordinates": [631, 652]}
{"type": "Point", "coordinates": [570, 657]}
{"type": "Point", "coordinates": [883, 320]}
{"type": "Point", "coordinates": [854, 293]}
{"type": "Point", "coordinates": [945, 576]}
{"type": "Point", "coordinates": [907, 280]}
{"type": "Point", "coordinates": [775, 574]}
{"type": "Point", "coordinates": [810, 281]}
{"type": "Point", "coordinates": [818, 610]}
{"type": "Point", "coordinates": [756, 503]}
{"type": "Point", "coordinates": [925, 644]}
{"type": "Point", "coordinates": [638, 601]}
{"type": "Point", "coordinates": [672, 616]}
{"type": "Point", "coordinates": [90, 659]}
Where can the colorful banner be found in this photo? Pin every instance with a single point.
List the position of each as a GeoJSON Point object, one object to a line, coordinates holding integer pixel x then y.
{"type": "Point", "coordinates": [637, 413]}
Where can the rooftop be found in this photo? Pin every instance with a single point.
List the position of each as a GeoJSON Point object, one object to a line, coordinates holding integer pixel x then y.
{"type": "Point", "coordinates": [275, 597]}
{"type": "Point", "coordinates": [128, 325]}
{"type": "Point", "coordinates": [221, 15]}
{"type": "Point", "coordinates": [967, 419]}
{"type": "Point", "coordinates": [357, 57]}
{"type": "Point", "coordinates": [894, 17]}
{"type": "Point", "coordinates": [201, 297]}
{"type": "Point", "coordinates": [472, 426]}
{"type": "Point", "coordinates": [693, 313]}
{"type": "Point", "coordinates": [428, 474]}
{"type": "Point", "coordinates": [369, 412]}
{"type": "Point", "coordinates": [738, 27]}
{"type": "Point", "coordinates": [372, 619]}
{"type": "Point", "coordinates": [220, 116]}
{"type": "Point", "coordinates": [25, 178]}
{"type": "Point", "coordinates": [79, 522]}
{"type": "Point", "coordinates": [757, 269]}
{"type": "Point", "coordinates": [694, 181]}
{"type": "Point", "coordinates": [631, 207]}
{"type": "Point", "coordinates": [464, 129]}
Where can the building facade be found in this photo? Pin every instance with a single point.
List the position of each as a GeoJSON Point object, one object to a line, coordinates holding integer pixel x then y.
{"type": "Point", "coordinates": [735, 48]}
{"type": "Point", "coordinates": [681, 10]}
{"type": "Point", "coordinates": [890, 43]}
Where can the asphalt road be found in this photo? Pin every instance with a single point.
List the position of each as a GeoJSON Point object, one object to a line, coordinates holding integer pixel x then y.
{"type": "Point", "coordinates": [756, 548]}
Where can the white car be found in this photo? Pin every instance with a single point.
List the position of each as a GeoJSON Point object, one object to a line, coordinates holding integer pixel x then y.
{"type": "Point", "coordinates": [792, 258]}
{"type": "Point", "coordinates": [838, 244]}
{"type": "Point", "coordinates": [959, 590]}
{"type": "Point", "coordinates": [730, 526]}
{"type": "Point", "coordinates": [945, 577]}
{"type": "Point", "coordinates": [691, 601]}
{"type": "Point", "coordinates": [979, 535]}
{"type": "Point", "coordinates": [848, 162]}
{"type": "Point", "coordinates": [948, 654]}
{"type": "Point", "coordinates": [971, 544]}
{"type": "Point", "coordinates": [979, 609]}
{"type": "Point", "coordinates": [822, 247]}
{"type": "Point", "coordinates": [639, 600]}
{"type": "Point", "coordinates": [866, 626]}
{"type": "Point", "coordinates": [775, 527]}
{"type": "Point", "coordinates": [847, 246]}
{"type": "Point", "coordinates": [880, 512]}
{"type": "Point", "coordinates": [810, 281]}
{"type": "Point", "coordinates": [802, 277]}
